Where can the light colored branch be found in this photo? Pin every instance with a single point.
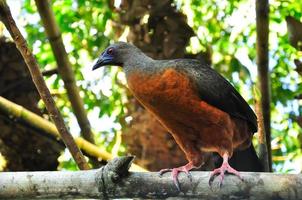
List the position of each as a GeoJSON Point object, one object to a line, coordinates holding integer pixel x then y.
{"type": "Point", "coordinates": [64, 67]}
{"type": "Point", "coordinates": [7, 19]}
{"type": "Point", "coordinates": [262, 22]}
{"type": "Point", "coordinates": [16, 111]}
{"type": "Point", "coordinates": [114, 181]}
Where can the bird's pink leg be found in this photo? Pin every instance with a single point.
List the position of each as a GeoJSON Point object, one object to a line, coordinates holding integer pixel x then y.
{"type": "Point", "coordinates": [225, 167]}
{"type": "Point", "coordinates": [175, 171]}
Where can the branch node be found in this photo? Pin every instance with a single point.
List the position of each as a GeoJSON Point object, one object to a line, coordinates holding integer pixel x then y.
{"type": "Point", "coordinates": [112, 173]}
{"type": "Point", "coordinates": [118, 167]}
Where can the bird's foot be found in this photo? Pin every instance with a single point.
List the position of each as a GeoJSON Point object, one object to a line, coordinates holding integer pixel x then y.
{"type": "Point", "coordinates": [225, 167]}
{"type": "Point", "coordinates": [175, 171]}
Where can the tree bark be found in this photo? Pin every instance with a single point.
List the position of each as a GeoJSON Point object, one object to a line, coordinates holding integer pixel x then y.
{"type": "Point", "coordinates": [7, 19]}
{"type": "Point", "coordinates": [262, 22]}
{"type": "Point", "coordinates": [114, 181]}
{"type": "Point", "coordinates": [64, 67]}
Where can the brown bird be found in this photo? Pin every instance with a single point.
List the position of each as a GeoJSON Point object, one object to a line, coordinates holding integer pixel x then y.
{"type": "Point", "coordinates": [201, 109]}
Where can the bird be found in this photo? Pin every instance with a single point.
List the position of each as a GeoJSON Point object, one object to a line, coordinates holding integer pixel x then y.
{"type": "Point", "coordinates": [198, 106]}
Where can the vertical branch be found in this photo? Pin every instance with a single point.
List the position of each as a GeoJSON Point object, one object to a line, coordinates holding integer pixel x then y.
{"type": "Point", "coordinates": [261, 132]}
{"type": "Point", "coordinates": [64, 67]}
{"type": "Point", "coordinates": [262, 22]}
{"type": "Point", "coordinates": [6, 17]}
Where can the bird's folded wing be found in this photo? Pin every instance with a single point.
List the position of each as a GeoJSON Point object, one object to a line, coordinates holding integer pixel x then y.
{"type": "Point", "coordinates": [217, 91]}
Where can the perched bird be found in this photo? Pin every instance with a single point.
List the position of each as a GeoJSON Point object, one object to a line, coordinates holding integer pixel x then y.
{"type": "Point", "coordinates": [200, 108]}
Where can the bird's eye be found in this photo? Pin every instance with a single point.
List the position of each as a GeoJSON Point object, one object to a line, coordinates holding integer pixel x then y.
{"type": "Point", "coordinates": [110, 51]}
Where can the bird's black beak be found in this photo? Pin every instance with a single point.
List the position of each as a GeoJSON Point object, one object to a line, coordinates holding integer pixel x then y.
{"type": "Point", "coordinates": [105, 59]}
{"type": "Point", "coordinates": [97, 64]}
{"type": "Point", "coordinates": [100, 62]}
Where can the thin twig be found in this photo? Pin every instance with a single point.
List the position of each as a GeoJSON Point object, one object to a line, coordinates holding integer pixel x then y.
{"type": "Point", "coordinates": [6, 17]}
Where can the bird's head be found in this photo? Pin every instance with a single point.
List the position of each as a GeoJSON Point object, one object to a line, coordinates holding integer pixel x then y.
{"type": "Point", "coordinates": [117, 54]}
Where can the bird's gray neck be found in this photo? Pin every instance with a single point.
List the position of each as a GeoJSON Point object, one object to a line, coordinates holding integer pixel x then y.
{"type": "Point", "coordinates": [139, 63]}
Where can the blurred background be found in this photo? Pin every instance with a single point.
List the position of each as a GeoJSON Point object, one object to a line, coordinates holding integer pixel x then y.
{"type": "Point", "coordinates": [223, 33]}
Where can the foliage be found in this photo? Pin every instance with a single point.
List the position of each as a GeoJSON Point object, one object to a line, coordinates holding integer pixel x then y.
{"type": "Point", "coordinates": [225, 28]}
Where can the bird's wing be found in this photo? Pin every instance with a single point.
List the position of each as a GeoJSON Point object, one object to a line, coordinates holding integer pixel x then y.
{"type": "Point", "coordinates": [217, 91]}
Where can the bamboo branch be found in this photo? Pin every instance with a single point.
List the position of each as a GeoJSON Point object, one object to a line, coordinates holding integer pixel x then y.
{"type": "Point", "coordinates": [114, 181]}
{"type": "Point", "coordinates": [262, 22]}
{"type": "Point", "coordinates": [6, 17]}
{"type": "Point", "coordinates": [16, 111]}
{"type": "Point", "coordinates": [64, 67]}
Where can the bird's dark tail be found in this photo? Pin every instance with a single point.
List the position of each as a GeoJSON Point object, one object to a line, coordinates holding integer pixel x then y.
{"type": "Point", "coordinates": [243, 160]}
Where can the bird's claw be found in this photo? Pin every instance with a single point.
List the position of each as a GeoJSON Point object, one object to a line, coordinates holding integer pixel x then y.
{"type": "Point", "coordinates": [225, 167]}
{"type": "Point", "coordinates": [175, 172]}
{"type": "Point", "coordinates": [213, 175]}
{"type": "Point", "coordinates": [162, 171]}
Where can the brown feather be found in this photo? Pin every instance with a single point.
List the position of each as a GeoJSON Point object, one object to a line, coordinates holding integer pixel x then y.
{"type": "Point", "coordinates": [195, 125]}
